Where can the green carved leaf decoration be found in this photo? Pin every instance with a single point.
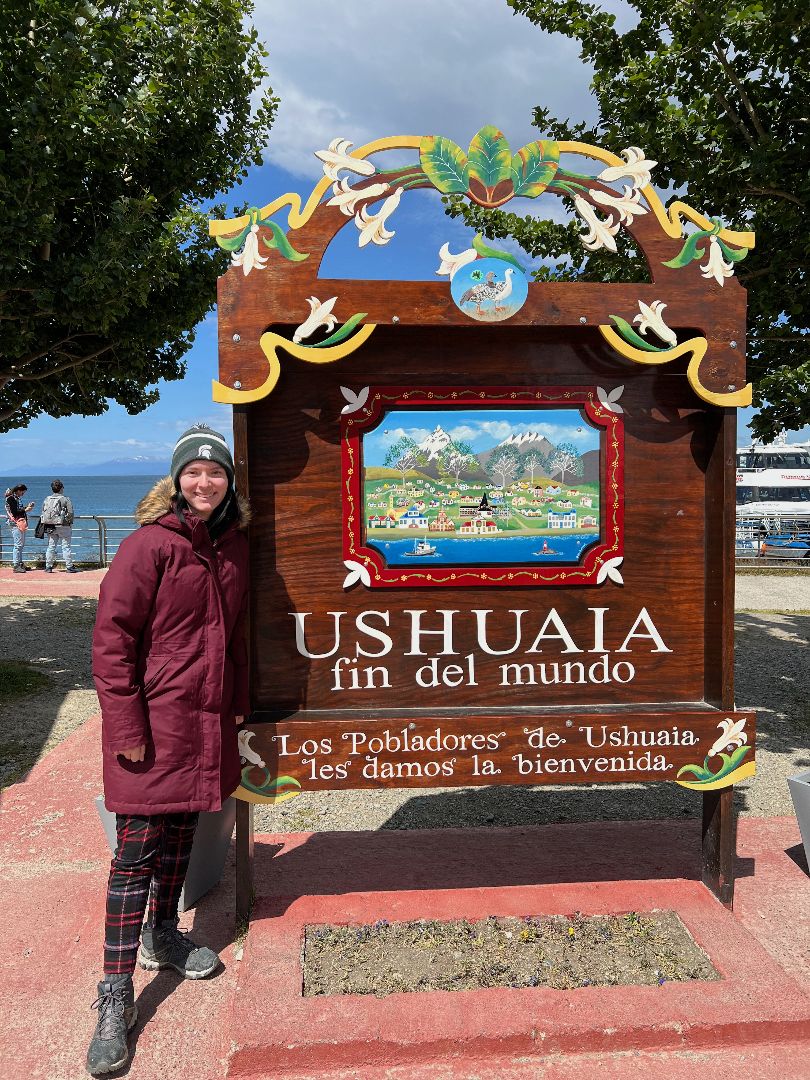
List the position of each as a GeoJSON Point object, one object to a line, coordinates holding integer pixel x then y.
{"type": "Point", "coordinates": [487, 252]}
{"type": "Point", "coordinates": [534, 166]}
{"type": "Point", "coordinates": [630, 336]}
{"type": "Point", "coordinates": [233, 243]}
{"type": "Point", "coordinates": [704, 775]}
{"type": "Point", "coordinates": [280, 242]}
{"type": "Point", "coordinates": [690, 250]}
{"type": "Point", "coordinates": [445, 164]}
{"type": "Point", "coordinates": [733, 255]}
{"type": "Point", "coordinates": [269, 787]}
{"type": "Point", "coordinates": [342, 332]}
{"type": "Point", "coordinates": [490, 157]}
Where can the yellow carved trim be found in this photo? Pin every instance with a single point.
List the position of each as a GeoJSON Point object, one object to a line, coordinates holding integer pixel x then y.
{"type": "Point", "coordinates": [298, 217]}
{"type": "Point", "coordinates": [696, 347]}
{"type": "Point", "coordinates": [269, 343]}
{"type": "Point", "coordinates": [251, 797]}
{"type": "Point", "coordinates": [743, 773]}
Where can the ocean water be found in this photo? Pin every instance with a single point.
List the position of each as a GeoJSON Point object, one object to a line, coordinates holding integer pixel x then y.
{"type": "Point", "coordinates": [106, 496]}
{"type": "Point", "coordinates": [491, 551]}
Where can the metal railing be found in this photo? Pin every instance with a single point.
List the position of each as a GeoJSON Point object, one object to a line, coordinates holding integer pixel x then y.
{"type": "Point", "coordinates": [94, 540]}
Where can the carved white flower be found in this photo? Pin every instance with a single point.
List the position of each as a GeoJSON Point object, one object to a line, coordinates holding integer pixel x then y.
{"type": "Point", "coordinates": [734, 734]}
{"type": "Point", "coordinates": [372, 226]}
{"type": "Point", "coordinates": [337, 157]}
{"type": "Point", "coordinates": [610, 399]}
{"type": "Point", "coordinates": [355, 401]}
{"type": "Point", "coordinates": [320, 314]}
{"type": "Point", "coordinates": [600, 233]}
{"type": "Point", "coordinates": [451, 263]}
{"type": "Point", "coordinates": [627, 205]}
{"type": "Point", "coordinates": [347, 198]}
{"type": "Point", "coordinates": [245, 752]}
{"type": "Point", "coordinates": [249, 258]}
{"type": "Point", "coordinates": [638, 168]}
{"type": "Point", "coordinates": [357, 572]}
{"type": "Point", "coordinates": [651, 319]}
{"type": "Point", "coordinates": [716, 266]}
{"type": "Point", "coordinates": [610, 569]}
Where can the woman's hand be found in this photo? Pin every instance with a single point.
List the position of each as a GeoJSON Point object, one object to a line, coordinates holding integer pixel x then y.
{"type": "Point", "coordinates": [239, 720]}
{"type": "Point", "coordinates": [136, 753]}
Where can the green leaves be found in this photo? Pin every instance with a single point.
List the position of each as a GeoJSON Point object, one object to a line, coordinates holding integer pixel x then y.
{"type": "Point", "coordinates": [533, 167]}
{"type": "Point", "coordinates": [490, 158]}
{"type": "Point", "coordinates": [632, 338]}
{"type": "Point", "coordinates": [445, 164]}
{"type": "Point", "coordinates": [342, 332]}
{"type": "Point", "coordinates": [280, 242]}
{"type": "Point", "coordinates": [494, 253]}
{"type": "Point", "coordinates": [489, 173]}
{"type": "Point", "coordinates": [703, 773]}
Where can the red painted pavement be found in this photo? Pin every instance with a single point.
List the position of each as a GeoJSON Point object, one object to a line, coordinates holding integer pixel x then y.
{"type": "Point", "coordinates": [252, 1021]}
{"type": "Point", "coordinates": [37, 583]}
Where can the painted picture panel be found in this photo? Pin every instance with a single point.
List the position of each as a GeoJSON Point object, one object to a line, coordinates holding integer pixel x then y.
{"type": "Point", "coordinates": [501, 485]}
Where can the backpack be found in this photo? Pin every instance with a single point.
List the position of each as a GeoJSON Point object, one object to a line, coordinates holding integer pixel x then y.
{"type": "Point", "coordinates": [56, 510]}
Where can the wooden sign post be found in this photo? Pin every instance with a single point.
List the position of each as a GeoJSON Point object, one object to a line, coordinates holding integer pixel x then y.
{"type": "Point", "coordinates": [493, 520]}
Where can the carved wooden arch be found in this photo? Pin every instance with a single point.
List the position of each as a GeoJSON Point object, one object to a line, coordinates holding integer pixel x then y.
{"type": "Point", "coordinates": [692, 272]}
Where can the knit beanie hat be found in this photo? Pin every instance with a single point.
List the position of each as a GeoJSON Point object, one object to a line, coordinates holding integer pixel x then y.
{"type": "Point", "coordinates": [200, 443]}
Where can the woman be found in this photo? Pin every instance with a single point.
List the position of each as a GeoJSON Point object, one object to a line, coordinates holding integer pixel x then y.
{"type": "Point", "coordinates": [17, 515]}
{"type": "Point", "coordinates": [170, 667]}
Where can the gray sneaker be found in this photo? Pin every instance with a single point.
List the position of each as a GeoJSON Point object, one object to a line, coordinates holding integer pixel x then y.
{"type": "Point", "coordinates": [117, 1014]}
{"type": "Point", "coordinates": [165, 946]}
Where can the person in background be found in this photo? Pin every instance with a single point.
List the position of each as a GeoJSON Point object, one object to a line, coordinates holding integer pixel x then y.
{"type": "Point", "coordinates": [57, 517]}
{"type": "Point", "coordinates": [170, 667]}
{"type": "Point", "coordinates": [17, 514]}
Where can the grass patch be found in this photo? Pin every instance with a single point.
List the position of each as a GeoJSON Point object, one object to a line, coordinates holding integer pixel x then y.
{"type": "Point", "coordinates": [18, 679]}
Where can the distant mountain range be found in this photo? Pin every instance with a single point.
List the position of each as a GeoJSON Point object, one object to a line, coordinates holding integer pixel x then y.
{"type": "Point", "coordinates": [131, 466]}
{"type": "Point", "coordinates": [438, 440]}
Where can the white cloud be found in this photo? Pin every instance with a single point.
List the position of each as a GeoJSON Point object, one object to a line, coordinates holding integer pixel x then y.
{"type": "Point", "coordinates": [498, 429]}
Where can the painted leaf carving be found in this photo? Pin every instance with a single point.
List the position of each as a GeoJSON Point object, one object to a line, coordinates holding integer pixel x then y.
{"type": "Point", "coordinates": [445, 164]}
{"type": "Point", "coordinates": [629, 335]}
{"type": "Point", "coordinates": [487, 252]}
{"type": "Point", "coordinates": [534, 166]}
{"type": "Point", "coordinates": [280, 242]}
{"type": "Point", "coordinates": [490, 157]}
{"type": "Point", "coordinates": [342, 332]}
{"type": "Point", "coordinates": [233, 243]}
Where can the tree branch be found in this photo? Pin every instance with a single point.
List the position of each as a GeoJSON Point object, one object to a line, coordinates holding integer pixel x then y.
{"type": "Point", "coordinates": [749, 108]}
{"type": "Point", "coordinates": [776, 194]}
{"type": "Point", "coordinates": [734, 116]}
{"type": "Point", "coordinates": [64, 367]}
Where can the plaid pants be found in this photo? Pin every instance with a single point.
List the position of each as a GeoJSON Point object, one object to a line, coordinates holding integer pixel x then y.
{"type": "Point", "coordinates": [149, 866]}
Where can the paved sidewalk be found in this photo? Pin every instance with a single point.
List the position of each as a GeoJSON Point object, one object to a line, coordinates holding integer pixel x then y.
{"type": "Point", "coordinates": [37, 583]}
{"type": "Point", "coordinates": [53, 860]}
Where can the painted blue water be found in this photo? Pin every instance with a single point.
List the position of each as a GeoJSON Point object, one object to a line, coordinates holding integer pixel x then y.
{"type": "Point", "coordinates": [485, 551]}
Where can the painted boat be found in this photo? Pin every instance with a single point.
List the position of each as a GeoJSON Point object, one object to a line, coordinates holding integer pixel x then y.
{"type": "Point", "coordinates": [421, 549]}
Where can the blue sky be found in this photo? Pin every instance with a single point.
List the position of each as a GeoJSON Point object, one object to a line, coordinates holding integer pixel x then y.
{"type": "Point", "coordinates": [482, 429]}
{"type": "Point", "coordinates": [359, 70]}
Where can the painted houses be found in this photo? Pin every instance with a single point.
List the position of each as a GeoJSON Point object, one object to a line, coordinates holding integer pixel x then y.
{"type": "Point", "coordinates": [413, 519]}
{"type": "Point", "coordinates": [567, 519]}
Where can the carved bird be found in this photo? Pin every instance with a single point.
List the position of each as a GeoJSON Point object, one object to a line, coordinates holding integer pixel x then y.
{"type": "Point", "coordinates": [490, 289]}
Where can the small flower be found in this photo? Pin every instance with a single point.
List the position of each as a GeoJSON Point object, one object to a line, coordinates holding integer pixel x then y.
{"type": "Point", "coordinates": [716, 266]}
{"type": "Point", "coordinates": [337, 157]}
{"type": "Point", "coordinates": [355, 401]}
{"type": "Point", "coordinates": [347, 198]}
{"type": "Point", "coordinates": [627, 206]}
{"type": "Point", "coordinates": [734, 734]}
{"type": "Point", "coordinates": [638, 168]}
{"type": "Point", "coordinates": [249, 258]}
{"type": "Point", "coordinates": [451, 263]}
{"type": "Point", "coordinates": [372, 226]}
{"type": "Point", "coordinates": [600, 233]}
{"type": "Point", "coordinates": [610, 569]}
{"type": "Point", "coordinates": [319, 315]}
{"type": "Point", "coordinates": [609, 399]}
{"type": "Point", "coordinates": [650, 319]}
{"type": "Point", "coordinates": [357, 572]}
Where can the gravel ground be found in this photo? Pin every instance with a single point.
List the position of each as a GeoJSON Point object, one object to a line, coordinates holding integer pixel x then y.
{"type": "Point", "coordinates": [772, 676]}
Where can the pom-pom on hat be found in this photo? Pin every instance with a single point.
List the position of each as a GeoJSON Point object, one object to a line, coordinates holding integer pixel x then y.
{"type": "Point", "coordinates": [200, 443]}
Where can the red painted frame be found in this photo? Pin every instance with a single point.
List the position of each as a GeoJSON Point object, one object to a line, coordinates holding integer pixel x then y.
{"type": "Point", "coordinates": [382, 399]}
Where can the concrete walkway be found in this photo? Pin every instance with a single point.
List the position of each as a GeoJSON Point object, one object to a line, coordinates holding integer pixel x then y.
{"type": "Point", "coordinates": [251, 1020]}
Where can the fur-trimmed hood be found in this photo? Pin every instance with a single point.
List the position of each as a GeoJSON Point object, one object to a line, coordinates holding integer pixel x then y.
{"type": "Point", "coordinates": [158, 502]}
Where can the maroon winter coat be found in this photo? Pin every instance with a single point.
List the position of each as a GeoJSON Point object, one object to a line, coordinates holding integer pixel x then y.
{"type": "Point", "coordinates": [169, 661]}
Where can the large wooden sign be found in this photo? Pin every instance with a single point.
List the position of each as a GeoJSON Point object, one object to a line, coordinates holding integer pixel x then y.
{"type": "Point", "coordinates": [493, 524]}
